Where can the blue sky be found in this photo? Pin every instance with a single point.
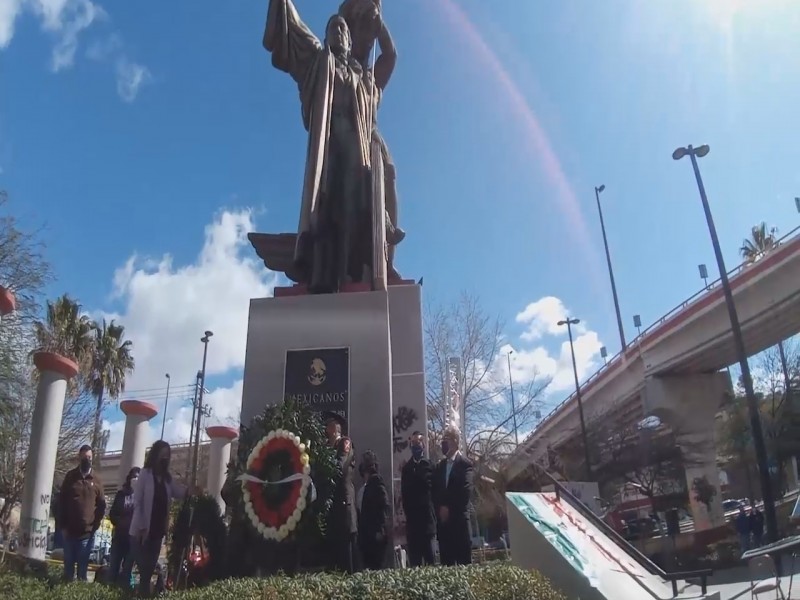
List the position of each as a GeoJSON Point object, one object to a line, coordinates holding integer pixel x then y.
{"type": "Point", "coordinates": [149, 137]}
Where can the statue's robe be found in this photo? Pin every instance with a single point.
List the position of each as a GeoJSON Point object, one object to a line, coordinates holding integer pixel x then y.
{"type": "Point", "coordinates": [319, 75]}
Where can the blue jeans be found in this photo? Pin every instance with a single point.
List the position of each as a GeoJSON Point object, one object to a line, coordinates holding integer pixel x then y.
{"type": "Point", "coordinates": [76, 553]}
{"type": "Point", "coordinates": [744, 541]}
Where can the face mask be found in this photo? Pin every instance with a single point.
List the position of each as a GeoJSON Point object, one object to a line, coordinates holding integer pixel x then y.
{"type": "Point", "coordinates": [416, 451]}
{"type": "Point", "coordinates": [86, 464]}
{"type": "Point", "coordinates": [445, 447]}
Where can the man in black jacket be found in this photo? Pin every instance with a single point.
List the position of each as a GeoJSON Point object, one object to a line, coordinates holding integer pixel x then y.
{"type": "Point", "coordinates": [82, 506]}
{"type": "Point", "coordinates": [372, 529]}
{"type": "Point", "coordinates": [416, 480]}
{"type": "Point", "coordinates": [452, 491]}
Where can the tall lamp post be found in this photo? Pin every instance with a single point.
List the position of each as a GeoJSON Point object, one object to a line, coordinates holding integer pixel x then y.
{"type": "Point", "coordinates": [597, 192]}
{"type": "Point", "coordinates": [166, 404]}
{"type": "Point", "coordinates": [513, 407]}
{"type": "Point", "coordinates": [738, 341]}
{"type": "Point", "coordinates": [205, 339]}
{"type": "Point", "coordinates": [569, 323]}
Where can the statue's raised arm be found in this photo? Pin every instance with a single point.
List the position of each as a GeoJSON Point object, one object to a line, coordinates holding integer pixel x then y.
{"type": "Point", "coordinates": [292, 44]}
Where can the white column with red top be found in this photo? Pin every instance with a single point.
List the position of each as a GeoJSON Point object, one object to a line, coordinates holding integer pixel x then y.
{"type": "Point", "coordinates": [54, 373]}
{"type": "Point", "coordinates": [7, 302]}
{"type": "Point", "coordinates": [220, 455]}
{"type": "Point", "coordinates": [137, 435]}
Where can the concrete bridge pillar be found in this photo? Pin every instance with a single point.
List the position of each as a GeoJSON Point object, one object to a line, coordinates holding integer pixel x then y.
{"type": "Point", "coordinates": [689, 405]}
{"type": "Point", "coordinates": [220, 454]}
{"type": "Point", "coordinates": [137, 434]}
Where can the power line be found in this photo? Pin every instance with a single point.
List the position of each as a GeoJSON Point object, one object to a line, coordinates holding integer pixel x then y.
{"type": "Point", "coordinates": [158, 389]}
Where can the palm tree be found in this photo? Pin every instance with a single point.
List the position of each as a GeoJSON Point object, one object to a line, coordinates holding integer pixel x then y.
{"type": "Point", "coordinates": [111, 362]}
{"type": "Point", "coordinates": [66, 331]}
{"type": "Point", "coordinates": [760, 242]}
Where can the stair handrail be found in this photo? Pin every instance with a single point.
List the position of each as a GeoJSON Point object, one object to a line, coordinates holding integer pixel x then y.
{"type": "Point", "coordinates": [633, 552]}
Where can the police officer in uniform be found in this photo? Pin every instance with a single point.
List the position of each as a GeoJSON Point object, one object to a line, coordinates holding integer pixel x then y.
{"type": "Point", "coordinates": [343, 519]}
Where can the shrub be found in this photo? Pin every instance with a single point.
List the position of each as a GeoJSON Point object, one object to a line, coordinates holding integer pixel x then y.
{"type": "Point", "coordinates": [487, 582]}
{"type": "Point", "coordinates": [28, 568]}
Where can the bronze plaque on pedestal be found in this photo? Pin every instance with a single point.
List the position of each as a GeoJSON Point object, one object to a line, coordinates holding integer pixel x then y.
{"type": "Point", "coordinates": [319, 379]}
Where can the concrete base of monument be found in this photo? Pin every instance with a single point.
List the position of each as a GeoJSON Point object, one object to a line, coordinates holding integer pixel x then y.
{"type": "Point", "coordinates": [384, 386]}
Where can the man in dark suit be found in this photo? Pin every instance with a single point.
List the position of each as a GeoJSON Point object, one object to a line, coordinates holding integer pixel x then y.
{"type": "Point", "coordinates": [416, 480]}
{"type": "Point", "coordinates": [452, 491]}
{"type": "Point", "coordinates": [342, 519]}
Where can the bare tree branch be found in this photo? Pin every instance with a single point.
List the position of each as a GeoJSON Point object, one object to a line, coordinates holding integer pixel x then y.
{"type": "Point", "coordinates": [466, 331]}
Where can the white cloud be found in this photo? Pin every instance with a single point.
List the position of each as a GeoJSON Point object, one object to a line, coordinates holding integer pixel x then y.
{"type": "Point", "coordinates": [66, 19]}
{"type": "Point", "coordinates": [166, 310]}
{"type": "Point", "coordinates": [130, 77]}
{"type": "Point", "coordinates": [9, 10]}
{"type": "Point", "coordinates": [100, 50]}
{"type": "Point", "coordinates": [539, 360]}
{"type": "Point", "coordinates": [541, 318]}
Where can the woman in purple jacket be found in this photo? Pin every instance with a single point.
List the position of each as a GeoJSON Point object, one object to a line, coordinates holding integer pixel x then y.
{"type": "Point", "coordinates": [152, 495]}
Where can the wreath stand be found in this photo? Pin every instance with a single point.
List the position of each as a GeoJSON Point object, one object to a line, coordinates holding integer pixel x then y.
{"type": "Point", "coordinates": [199, 524]}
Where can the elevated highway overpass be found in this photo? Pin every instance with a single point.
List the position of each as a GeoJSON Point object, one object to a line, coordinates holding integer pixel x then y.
{"type": "Point", "coordinates": [672, 369]}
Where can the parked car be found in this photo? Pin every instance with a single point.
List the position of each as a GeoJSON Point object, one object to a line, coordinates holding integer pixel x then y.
{"type": "Point", "coordinates": [731, 505]}
{"type": "Point", "coordinates": [640, 528]}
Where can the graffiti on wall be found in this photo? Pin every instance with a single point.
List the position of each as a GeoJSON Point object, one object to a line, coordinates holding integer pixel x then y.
{"type": "Point", "coordinates": [33, 534]}
{"type": "Point", "coordinates": [404, 422]}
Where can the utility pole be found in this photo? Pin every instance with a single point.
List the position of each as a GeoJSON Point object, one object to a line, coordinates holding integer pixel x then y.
{"type": "Point", "coordinates": [738, 343]}
{"type": "Point", "coordinates": [205, 339]}
{"type": "Point", "coordinates": [622, 342]}
{"type": "Point", "coordinates": [569, 323]}
{"type": "Point", "coordinates": [191, 427]}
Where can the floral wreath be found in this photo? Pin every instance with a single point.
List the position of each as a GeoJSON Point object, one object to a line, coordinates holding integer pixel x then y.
{"type": "Point", "coordinates": [276, 484]}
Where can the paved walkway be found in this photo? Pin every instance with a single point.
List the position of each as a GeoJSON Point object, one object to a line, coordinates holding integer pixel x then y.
{"type": "Point", "coordinates": [734, 584]}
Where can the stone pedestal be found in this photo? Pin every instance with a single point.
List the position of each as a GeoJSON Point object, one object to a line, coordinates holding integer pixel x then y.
{"type": "Point", "coordinates": [54, 373]}
{"type": "Point", "coordinates": [382, 331]}
{"type": "Point", "coordinates": [219, 456]}
{"type": "Point", "coordinates": [689, 405]}
{"type": "Point", "coordinates": [137, 434]}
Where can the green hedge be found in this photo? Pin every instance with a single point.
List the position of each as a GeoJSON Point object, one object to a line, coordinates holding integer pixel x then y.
{"type": "Point", "coordinates": [487, 582]}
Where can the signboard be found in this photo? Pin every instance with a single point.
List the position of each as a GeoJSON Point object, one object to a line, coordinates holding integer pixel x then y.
{"type": "Point", "coordinates": [320, 379]}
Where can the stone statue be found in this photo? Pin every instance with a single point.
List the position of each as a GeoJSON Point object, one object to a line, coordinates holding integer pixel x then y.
{"type": "Point", "coordinates": [339, 98]}
{"type": "Point", "coordinates": [364, 19]}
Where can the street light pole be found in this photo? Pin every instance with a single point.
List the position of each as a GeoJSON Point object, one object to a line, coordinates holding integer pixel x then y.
{"type": "Point", "coordinates": [741, 354]}
{"type": "Point", "coordinates": [623, 345]}
{"type": "Point", "coordinates": [569, 323]}
{"type": "Point", "coordinates": [205, 339]}
{"type": "Point", "coordinates": [513, 407]}
{"type": "Point", "coordinates": [166, 404]}
{"type": "Point", "coordinates": [190, 449]}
